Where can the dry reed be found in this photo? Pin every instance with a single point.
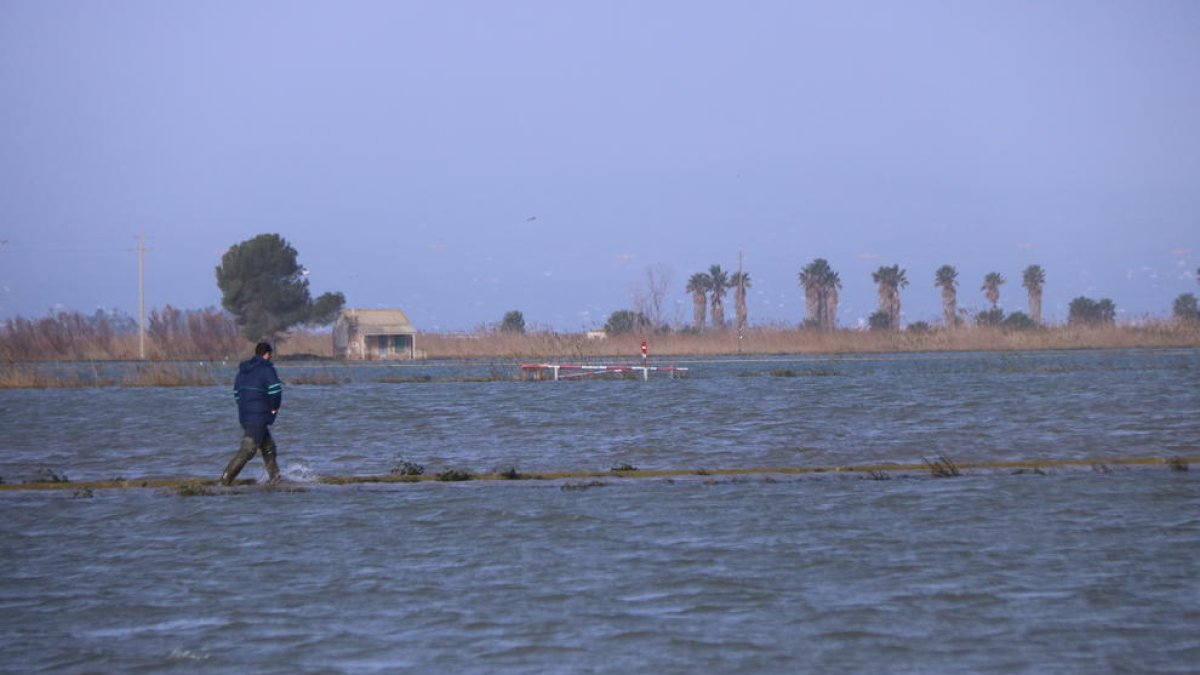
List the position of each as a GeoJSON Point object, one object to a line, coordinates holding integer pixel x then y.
{"type": "Point", "coordinates": [767, 341]}
{"type": "Point", "coordinates": [212, 335]}
{"type": "Point", "coordinates": [171, 335]}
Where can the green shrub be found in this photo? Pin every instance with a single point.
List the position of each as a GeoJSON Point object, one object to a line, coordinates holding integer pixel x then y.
{"type": "Point", "coordinates": [1018, 321]}
{"type": "Point", "coordinates": [880, 320]}
{"type": "Point", "coordinates": [991, 317]}
{"type": "Point", "coordinates": [1084, 311]}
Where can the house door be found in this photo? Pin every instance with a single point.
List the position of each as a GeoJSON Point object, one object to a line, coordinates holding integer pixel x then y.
{"type": "Point", "coordinates": [385, 341]}
{"type": "Point", "coordinates": [403, 345]}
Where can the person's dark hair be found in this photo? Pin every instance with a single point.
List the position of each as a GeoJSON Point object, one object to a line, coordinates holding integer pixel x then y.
{"type": "Point", "coordinates": [262, 349]}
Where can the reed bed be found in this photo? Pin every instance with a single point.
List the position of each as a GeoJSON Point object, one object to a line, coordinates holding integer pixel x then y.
{"type": "Point", "coordinates": [170, 334]}
{"type": "Point", "coordinates": [172, 364]}
{"type": "Point", "coordinates": [769, 341]}
{"type": "Point", "coordinates": [212, 335]}
{"type": "Point", "coordinates": [127, 348]}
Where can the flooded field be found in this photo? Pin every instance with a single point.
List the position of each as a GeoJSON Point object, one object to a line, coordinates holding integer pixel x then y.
{"type": "Point", "coordinates": [1079, 570]}
{"type": "Point", "coordinates": [727, 413]}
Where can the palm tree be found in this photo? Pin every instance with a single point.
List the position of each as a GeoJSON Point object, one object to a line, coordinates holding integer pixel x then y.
{"type": "Point", "coordinates": [812, 303]}
{"type": "Point", "coordinates": [1033, 279]}
{"type": "Point", "coordinates": [698, 286]}
{"type": "Point", "coordinates": [991, 287]}
{"type": "Point", "coordinates": [720, 284]}
{"type": "Point", "coordinates": [740, 282]}
{"type": "Point", "coordinates": [821, 286]}
{"type": "Point", "coordinates": [890, 280]}
{"type": "Point", "coordinates": [946, 278]}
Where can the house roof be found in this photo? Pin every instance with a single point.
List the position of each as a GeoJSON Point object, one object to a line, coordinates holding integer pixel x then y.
{"type": "Point", "coordinates": [377, 321]}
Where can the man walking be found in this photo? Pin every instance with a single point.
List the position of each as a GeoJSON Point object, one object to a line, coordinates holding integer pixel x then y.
{"type": "Point", "coordinates": [258, 393]}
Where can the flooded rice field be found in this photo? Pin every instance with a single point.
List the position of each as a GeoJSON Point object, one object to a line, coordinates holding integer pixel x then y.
{"type": "Point", "coordinates": [1080, 570]}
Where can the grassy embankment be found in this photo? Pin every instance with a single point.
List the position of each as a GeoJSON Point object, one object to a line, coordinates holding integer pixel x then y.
{"type": "Point", "coordinates": [169, 366]}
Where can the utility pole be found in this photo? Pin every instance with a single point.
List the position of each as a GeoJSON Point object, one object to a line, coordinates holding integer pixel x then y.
{"type": "Point", "coordinates": [141, 296]}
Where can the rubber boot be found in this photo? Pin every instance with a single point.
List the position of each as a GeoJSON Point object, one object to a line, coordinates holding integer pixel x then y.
{"type": "Point", "coordinates": [268, 453]}
{"type": "Point", "coordinates": [244, 453]}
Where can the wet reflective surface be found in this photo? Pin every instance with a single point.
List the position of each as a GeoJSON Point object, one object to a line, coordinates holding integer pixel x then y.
{"type": "Point", "coordinates": [1076, 571]}
{"type": "Point", "coordinates": [728, 413]}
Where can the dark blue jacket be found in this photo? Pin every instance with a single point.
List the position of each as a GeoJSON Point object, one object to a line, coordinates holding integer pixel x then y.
{"type": "Point", "coordinates": [258, 391]}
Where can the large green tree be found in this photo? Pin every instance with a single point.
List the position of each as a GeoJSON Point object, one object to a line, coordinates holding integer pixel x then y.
{"type": "Point", "coordinates": [266, 290]}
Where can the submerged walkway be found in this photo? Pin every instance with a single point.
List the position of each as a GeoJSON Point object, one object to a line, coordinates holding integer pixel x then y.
{"type": "Point", "coordinates": [939, 467]}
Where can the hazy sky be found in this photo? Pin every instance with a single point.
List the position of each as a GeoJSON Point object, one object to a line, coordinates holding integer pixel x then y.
{"type": "Point", "coordinates": [463, 159]}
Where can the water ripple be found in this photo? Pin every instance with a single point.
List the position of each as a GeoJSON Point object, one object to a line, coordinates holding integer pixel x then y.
{"type": "Point", "coordinates": [1081, 571]}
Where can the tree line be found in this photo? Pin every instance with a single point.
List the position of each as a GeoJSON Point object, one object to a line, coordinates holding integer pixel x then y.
{"type": "Point", "coordinates": [266, 290]}
{"type": "Point", "coordinates": [822, 284]}
{"type": "Point", "coordinates": [715, 284]}
{"type": "Point", "coordinates": [265, 293]}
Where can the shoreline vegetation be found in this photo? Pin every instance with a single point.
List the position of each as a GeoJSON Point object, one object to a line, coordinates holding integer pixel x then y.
{"type": "Point", "coordinates": [804, 341]}
{"type": "Point", "coordinates": [185, 360]}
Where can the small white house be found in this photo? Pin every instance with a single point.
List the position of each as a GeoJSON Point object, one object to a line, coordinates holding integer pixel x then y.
{"type": "Point", "coordinates": [369, 334]}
